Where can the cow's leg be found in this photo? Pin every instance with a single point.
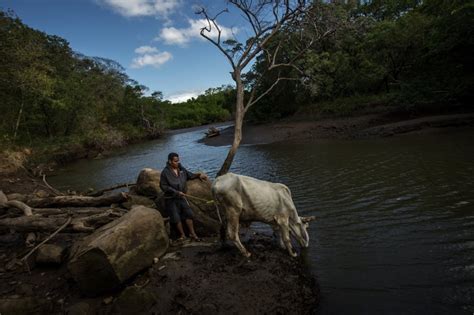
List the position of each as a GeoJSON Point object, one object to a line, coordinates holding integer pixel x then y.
{"type": "Point", "coordinates": [278, 235]}
{"type": "Point", "coordinates": [223, 229]}
{"type": "Point", "coordinates": [285, 233]}
{"type": "Point", "coordinates": [233, 232]}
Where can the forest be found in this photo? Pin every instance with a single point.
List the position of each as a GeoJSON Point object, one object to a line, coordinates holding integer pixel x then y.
{"type": "Point", "coordinates": [411, 56]}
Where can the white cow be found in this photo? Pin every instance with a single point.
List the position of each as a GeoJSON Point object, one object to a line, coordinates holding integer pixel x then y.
{"type": "Point", "coordinates": [245, 198]}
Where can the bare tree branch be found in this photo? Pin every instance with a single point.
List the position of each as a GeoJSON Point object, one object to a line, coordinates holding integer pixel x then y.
{"type": "Point", "coordinates": [249, 104]}
{"type": "Point", "coordinates": [208, 29]}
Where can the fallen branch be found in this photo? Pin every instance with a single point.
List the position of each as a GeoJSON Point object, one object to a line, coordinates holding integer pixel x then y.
{"type": "Point", "coordinates": [92, 222]}
{"type": "Point", "coordinates": [47, 239]}
{"type": "Point", "coordinates": [46, 212]}
{"type": "Point", "coordinates": [77, 201]}
{"type": "Point", "coordinates": [27, 211]}
{"type": "Point", "coordinates": [54, 190]}
{"type": "Point", "coordinates": [5, 203]}
{"type": "Point", "coordinates": [32, 223]}
{"type": "Point", "coordinates": [42, 224]}
{"type": "Point", "coordinates": [101, 192]}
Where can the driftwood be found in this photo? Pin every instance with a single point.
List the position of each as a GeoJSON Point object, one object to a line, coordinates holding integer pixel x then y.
{"type": "Point", "coordinates": [111, 255]}
{"type": "Point", "coordinates": [212, 132]}
{"type": "Point", "coordinates": [47, 239]}
{"type": "Point", "coordinates": [77, 201]}
{"type": "Point", "coordinates": [27, 211]}
{"type": "Point", "coordinates": [38, 223]}
{"type": "Point", "coordinates": [51, 212]}
{"type": "Point", "coordinates": [54, 190]}
{"type": "Point", "coordinates": [102, 191]}
{"type": "Point", "coordinates": [5, 203]}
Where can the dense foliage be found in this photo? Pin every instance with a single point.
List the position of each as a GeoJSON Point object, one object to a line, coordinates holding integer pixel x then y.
{"type": "Point", "coordinates": [413, 55]}
{"type": "Point", "coordinates": [49, 93]}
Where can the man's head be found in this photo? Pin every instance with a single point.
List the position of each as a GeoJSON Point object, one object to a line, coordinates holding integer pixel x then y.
{"type": "Point", "coordinates": [173, 159]}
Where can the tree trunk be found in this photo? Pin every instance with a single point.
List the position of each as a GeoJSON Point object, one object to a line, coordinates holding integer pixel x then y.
{"type": "Point", "coordinates": [239, 118]}
{"type": "Point", "coordinates": [116, 252]}
{"type": "Point", "coordinates": [38, 223]}
{"type": "Point", "coordinates": [77, 201]}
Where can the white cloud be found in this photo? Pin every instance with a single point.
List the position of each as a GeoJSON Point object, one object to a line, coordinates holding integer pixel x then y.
{"type": "Point", "coordinates": [181, 36]}
{"type": "Point", "coordinates": [146, 50]}
{"type": "Point", "coordinates": [131, 8]}
{"type": "Point", "coordinates": [184, 96]}
{"type": "Point", "coordinates": [150, 57]}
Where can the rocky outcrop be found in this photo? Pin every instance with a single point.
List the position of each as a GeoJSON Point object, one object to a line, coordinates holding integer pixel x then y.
{"type": "Point", "coordinates": [117, 251]}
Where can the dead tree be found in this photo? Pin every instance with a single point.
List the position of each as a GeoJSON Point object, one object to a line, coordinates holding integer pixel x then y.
{"type": "Point", "coordinates": [267, 19]}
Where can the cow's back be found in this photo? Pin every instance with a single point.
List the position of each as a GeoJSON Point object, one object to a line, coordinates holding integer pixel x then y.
{"type": "Point", "coordinates": [257, 199]}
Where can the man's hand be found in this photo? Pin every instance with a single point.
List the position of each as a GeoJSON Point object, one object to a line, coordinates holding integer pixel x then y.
{"type": "Point", "coordinates": [181, 194]}
{"type": "Point", "coordinates": [203, 177]}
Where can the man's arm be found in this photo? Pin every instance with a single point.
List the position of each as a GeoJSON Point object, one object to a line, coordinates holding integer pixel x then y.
{"type": "Point", "coordinates": [189, 175]}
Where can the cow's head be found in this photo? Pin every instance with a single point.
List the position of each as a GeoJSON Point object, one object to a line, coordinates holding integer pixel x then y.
{"type": "Point", "coordinates": [299, 231]}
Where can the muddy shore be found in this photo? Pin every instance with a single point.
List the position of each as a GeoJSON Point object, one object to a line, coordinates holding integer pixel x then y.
{"type": "Point", "coordinates": [368, 126]}
{"type": "Point", "coordinates": [192, 278]}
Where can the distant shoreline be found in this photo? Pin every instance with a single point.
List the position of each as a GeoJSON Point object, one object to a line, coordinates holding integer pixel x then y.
{"type": "Point", "coordinates": [359, 127]}
{"type": "Point", "coordinates": [195, 128]}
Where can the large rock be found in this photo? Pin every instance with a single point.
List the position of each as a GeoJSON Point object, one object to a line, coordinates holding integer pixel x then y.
{"type": "Point", "coordinates": [117, 251]}
{"type": "Point", "coordinates": [205, 214]}
{"type": "Point", "coordinates": [148, 183]}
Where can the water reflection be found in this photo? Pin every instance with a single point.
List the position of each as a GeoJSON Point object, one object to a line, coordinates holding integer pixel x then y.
{"type": "Point", "coordinates": [395, 228]}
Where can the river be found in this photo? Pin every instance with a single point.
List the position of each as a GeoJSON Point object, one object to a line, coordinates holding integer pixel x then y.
{"type": "Point", "coordinates": [395, 216]}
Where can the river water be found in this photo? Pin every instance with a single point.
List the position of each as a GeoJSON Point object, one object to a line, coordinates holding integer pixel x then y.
{"type": "Point", "coordinates": [395, 216]}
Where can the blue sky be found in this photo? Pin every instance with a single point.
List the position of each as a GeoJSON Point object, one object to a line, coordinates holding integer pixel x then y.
{"type": "Point", "coordinates": [157, 41]}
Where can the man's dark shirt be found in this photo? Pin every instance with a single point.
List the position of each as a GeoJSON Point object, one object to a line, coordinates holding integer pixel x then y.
{"type": "Point", "coordinates": [172, 184]}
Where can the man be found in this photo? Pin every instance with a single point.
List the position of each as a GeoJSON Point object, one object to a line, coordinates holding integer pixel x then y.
{"type": "Point", "coordinates": [173, 183]}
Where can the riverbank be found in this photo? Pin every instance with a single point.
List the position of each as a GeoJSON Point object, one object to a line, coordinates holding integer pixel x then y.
{"type": "Point", "coordinates": [192, 277]}
{"type": "Point", "coordinates": [366, 126]}
{"type": "Point", "coordinates": [45, 160]}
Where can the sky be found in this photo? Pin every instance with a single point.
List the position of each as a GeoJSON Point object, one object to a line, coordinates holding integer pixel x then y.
{"type": "Point", "coordinates": [156, 41]}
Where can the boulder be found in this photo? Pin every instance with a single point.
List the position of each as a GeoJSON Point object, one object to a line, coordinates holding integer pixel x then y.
{"type": "Point", "coordinates": [118, 250]}
{"type": "Point", "coordinates": [205, 214]}
{"type": "Point", "coordinates": [148, 183]}
{"type": "Point", "coordinates": [50, 254]}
